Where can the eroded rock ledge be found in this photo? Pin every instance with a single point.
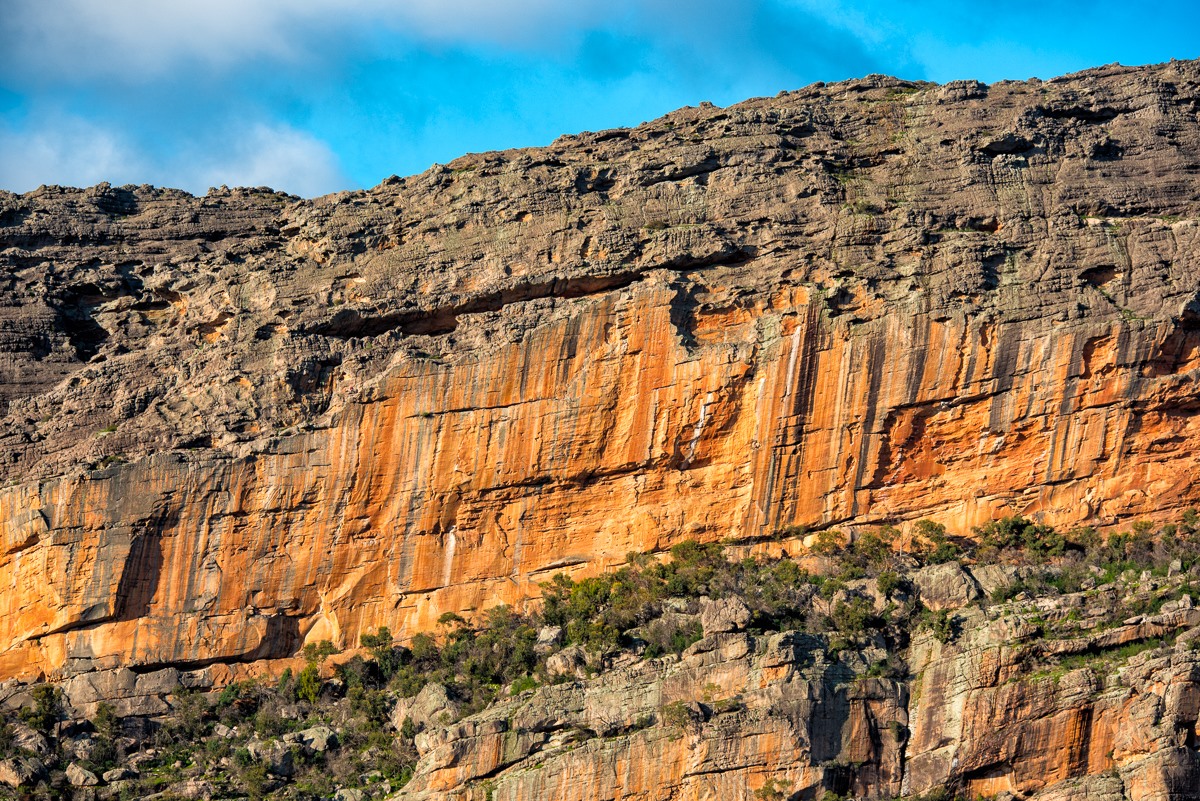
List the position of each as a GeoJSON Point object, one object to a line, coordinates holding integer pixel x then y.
{"type": "Point", "coordinates": [238, 423]}
{"type": "Point", "coordinates": [1031, 678]}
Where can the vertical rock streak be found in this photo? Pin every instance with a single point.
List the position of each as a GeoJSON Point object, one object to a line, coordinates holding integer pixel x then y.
{"type": "Point", "coordinates": [866, 302]}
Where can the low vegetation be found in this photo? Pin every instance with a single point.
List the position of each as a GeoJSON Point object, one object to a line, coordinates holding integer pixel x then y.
{"type": "Point", "coordinates": [256, 738]}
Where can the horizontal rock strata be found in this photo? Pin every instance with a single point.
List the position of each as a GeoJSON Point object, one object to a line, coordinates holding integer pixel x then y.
{"type": "Point", "coordinates": [241, 422]}
{"type": "Point", "coordinates": [739, 713]}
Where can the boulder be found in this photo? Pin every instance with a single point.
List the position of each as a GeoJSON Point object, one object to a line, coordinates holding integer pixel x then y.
{"type": "Point", "coordinates": [193, 790]}
{"type": "Point", "coordinates": [570, 661]}
{"type": "Point", "coordinates": [945, 586]}
{"type": "Point", "coordinates": [21, 771]}
{"type": "Point", "coordinates": [129, 693]}
{"type": "Point", "coordinates": [118, 775]}
{"type": "Point", "coordinates": [548, 638]}
{"type": "Point", "coordinates": [29, 739]}
{"type": "Point", "coordinates": [724, 615]}
{"type": "Point", "coordinates": [991, 578]}
{"type": "Point", "coordinates": [81, 747]}
{"type": "Point", "coordinates": [432, 706]}
{"type": "Point", "coordinates": [318, 739]}
{"type": "Point", "coordinates": [79, 776]}
{"type": "Point", "coordinates": [719, 648]}
{"type": "Point", "coordinates": [275, 754]}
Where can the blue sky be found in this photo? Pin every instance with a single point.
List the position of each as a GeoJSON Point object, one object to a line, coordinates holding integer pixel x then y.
{"type": "Point", "coordinates": [313, 96]}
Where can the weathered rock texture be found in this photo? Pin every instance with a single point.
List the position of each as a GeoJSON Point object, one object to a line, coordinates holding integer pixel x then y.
{"type": "Point", "coordinates": [740, 716]}
{"type": "Point", "coordinates": [736, 713]}
{"type": "Point", "coordinates": [241, 422]}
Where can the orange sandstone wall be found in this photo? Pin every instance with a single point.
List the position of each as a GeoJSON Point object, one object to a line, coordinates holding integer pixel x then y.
{"type": "Point", "coordinates": [237, 423]}
{"type": "Point", "coordinates": [456, 487]}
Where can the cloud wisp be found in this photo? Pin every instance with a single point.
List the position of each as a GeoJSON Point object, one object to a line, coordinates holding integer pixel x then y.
{"type": "Point", "coordinates": [139, 40]}
{"type": "Point", "coordinates": [63, 150]}
{"type": "Point", "coordinates": [68, 150]}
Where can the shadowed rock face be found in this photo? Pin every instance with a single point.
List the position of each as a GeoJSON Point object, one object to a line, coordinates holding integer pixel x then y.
{"type": "Point", "coordinates": [738, 711]}
{"type": "Point", "coordinates": [239, 422]}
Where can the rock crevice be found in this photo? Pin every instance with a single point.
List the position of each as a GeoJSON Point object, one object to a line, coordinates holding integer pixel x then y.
{"type": "Point", "coordinates": [866, 302]}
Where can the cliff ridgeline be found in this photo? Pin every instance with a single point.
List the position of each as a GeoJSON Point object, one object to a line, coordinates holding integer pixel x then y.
{"type": "Point", "coordinates": [242, 425]}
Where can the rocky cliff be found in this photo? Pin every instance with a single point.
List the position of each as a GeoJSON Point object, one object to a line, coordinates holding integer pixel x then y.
{"type": "Point", "coordinates": [1062, 682]}
{"type": "Point", "coordinates": [741, 717]}
{"type": "Point", "coordinates": [237, 423]}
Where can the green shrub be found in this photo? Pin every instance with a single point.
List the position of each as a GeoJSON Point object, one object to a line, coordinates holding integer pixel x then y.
{"type": "Point", "coordinates": [386, 655]}
{"type": "Point", "coordinates": [1016, 534]}
{"type": "Point", "coordinates": [104, 753]}
{"type": "Point", "coordinates": [1069, 580]}
{"type": "Point", "coordinates": [852, 618]}
{"type": "Point", "coordinates": [374, 706]}
{"type": "Point", "coordinates": [942, 623]}
{"type": "Point", "coordinates": [671, 636]}
{"type": "Point", "coordinates": [317, 652]}
{"type": "Point", "coordinates": [522, 684]}
{"type": "Point", "coordinates": [47, 709]}
{"type": "Point", "coordinates": [675, 715]}
{"type": "Point", "coordinates": [254, 781]}
{"type": "Point", "coordinates": [358, 673]}
{"type": "Point", "coordinates": [772, 790]}
{"type": "Point", "coordinates": [1189, 523]}
{"type": "Point", "coordinates": [105, 721]}
{"type": "Point", "coordinates": [269, 723]}
{"type": "Point", "coordinates": [308, 684]}
{"type": "Point", "coordinates": [286, 686]}
{"type": "Point", "coordinates": [408, 729]}
{"type": "Point", "coordinates": [873, 550]}
{"type": "Point", "coordinates": [937, 794]}
{"type": "Point", "coordinates": [1006, 592]}
{"type": "Point", "coordinates": [830, 588]}
{"type": "Point", "coordinates": [932, 544]}
{"type": "Point", "coordinates": [892, 667]}
{"type": "Point", "coordinates": [189, 710]}
{"type": "Point", "coordinates": [1084, 538]}
{"type": "Point", "coordinates": [830, 542]}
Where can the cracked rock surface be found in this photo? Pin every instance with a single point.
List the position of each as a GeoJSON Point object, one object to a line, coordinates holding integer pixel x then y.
{"type": "Point", "coordinates": [239, 422]}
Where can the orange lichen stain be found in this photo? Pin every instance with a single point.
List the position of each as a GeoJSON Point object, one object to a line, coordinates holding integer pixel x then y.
{"type": "Point", "coordinates": [731, 324]}
{"type": "Point", "coordinates": [605, 430]}
{"type": "Point", "coordinates": [991, 785]}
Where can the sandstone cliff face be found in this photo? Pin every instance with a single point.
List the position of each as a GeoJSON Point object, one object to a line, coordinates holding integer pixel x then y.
{"type": "Point", "coordinates": [736, 714]}
{"type": "Point", "coordinates": [1058, 696]}
{"type": "Point", "coordinates": [742, 717]}
{"type": "Point", "coordinates": [241, 422]}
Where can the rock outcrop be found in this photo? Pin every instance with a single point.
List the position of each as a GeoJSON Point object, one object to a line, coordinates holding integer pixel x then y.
{"type": "Point", "coordinates": [784, 715]}
{"type": "Point", "coordinates": [1085, 685]}
{"type": "Point", "coordinates": [238, 423]}
{"type": "Point", "coordinates": [734, 714]}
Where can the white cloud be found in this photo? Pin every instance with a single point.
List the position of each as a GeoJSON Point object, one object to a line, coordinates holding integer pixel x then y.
{"type": "Point", "coordinates": [139, 38]}
{"type": "Point", "coordinates": [64, 150]}
{"type": "Point", "coordinates": [71, 151]}
{"type": "Point", "coordinates": [276, 156]}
